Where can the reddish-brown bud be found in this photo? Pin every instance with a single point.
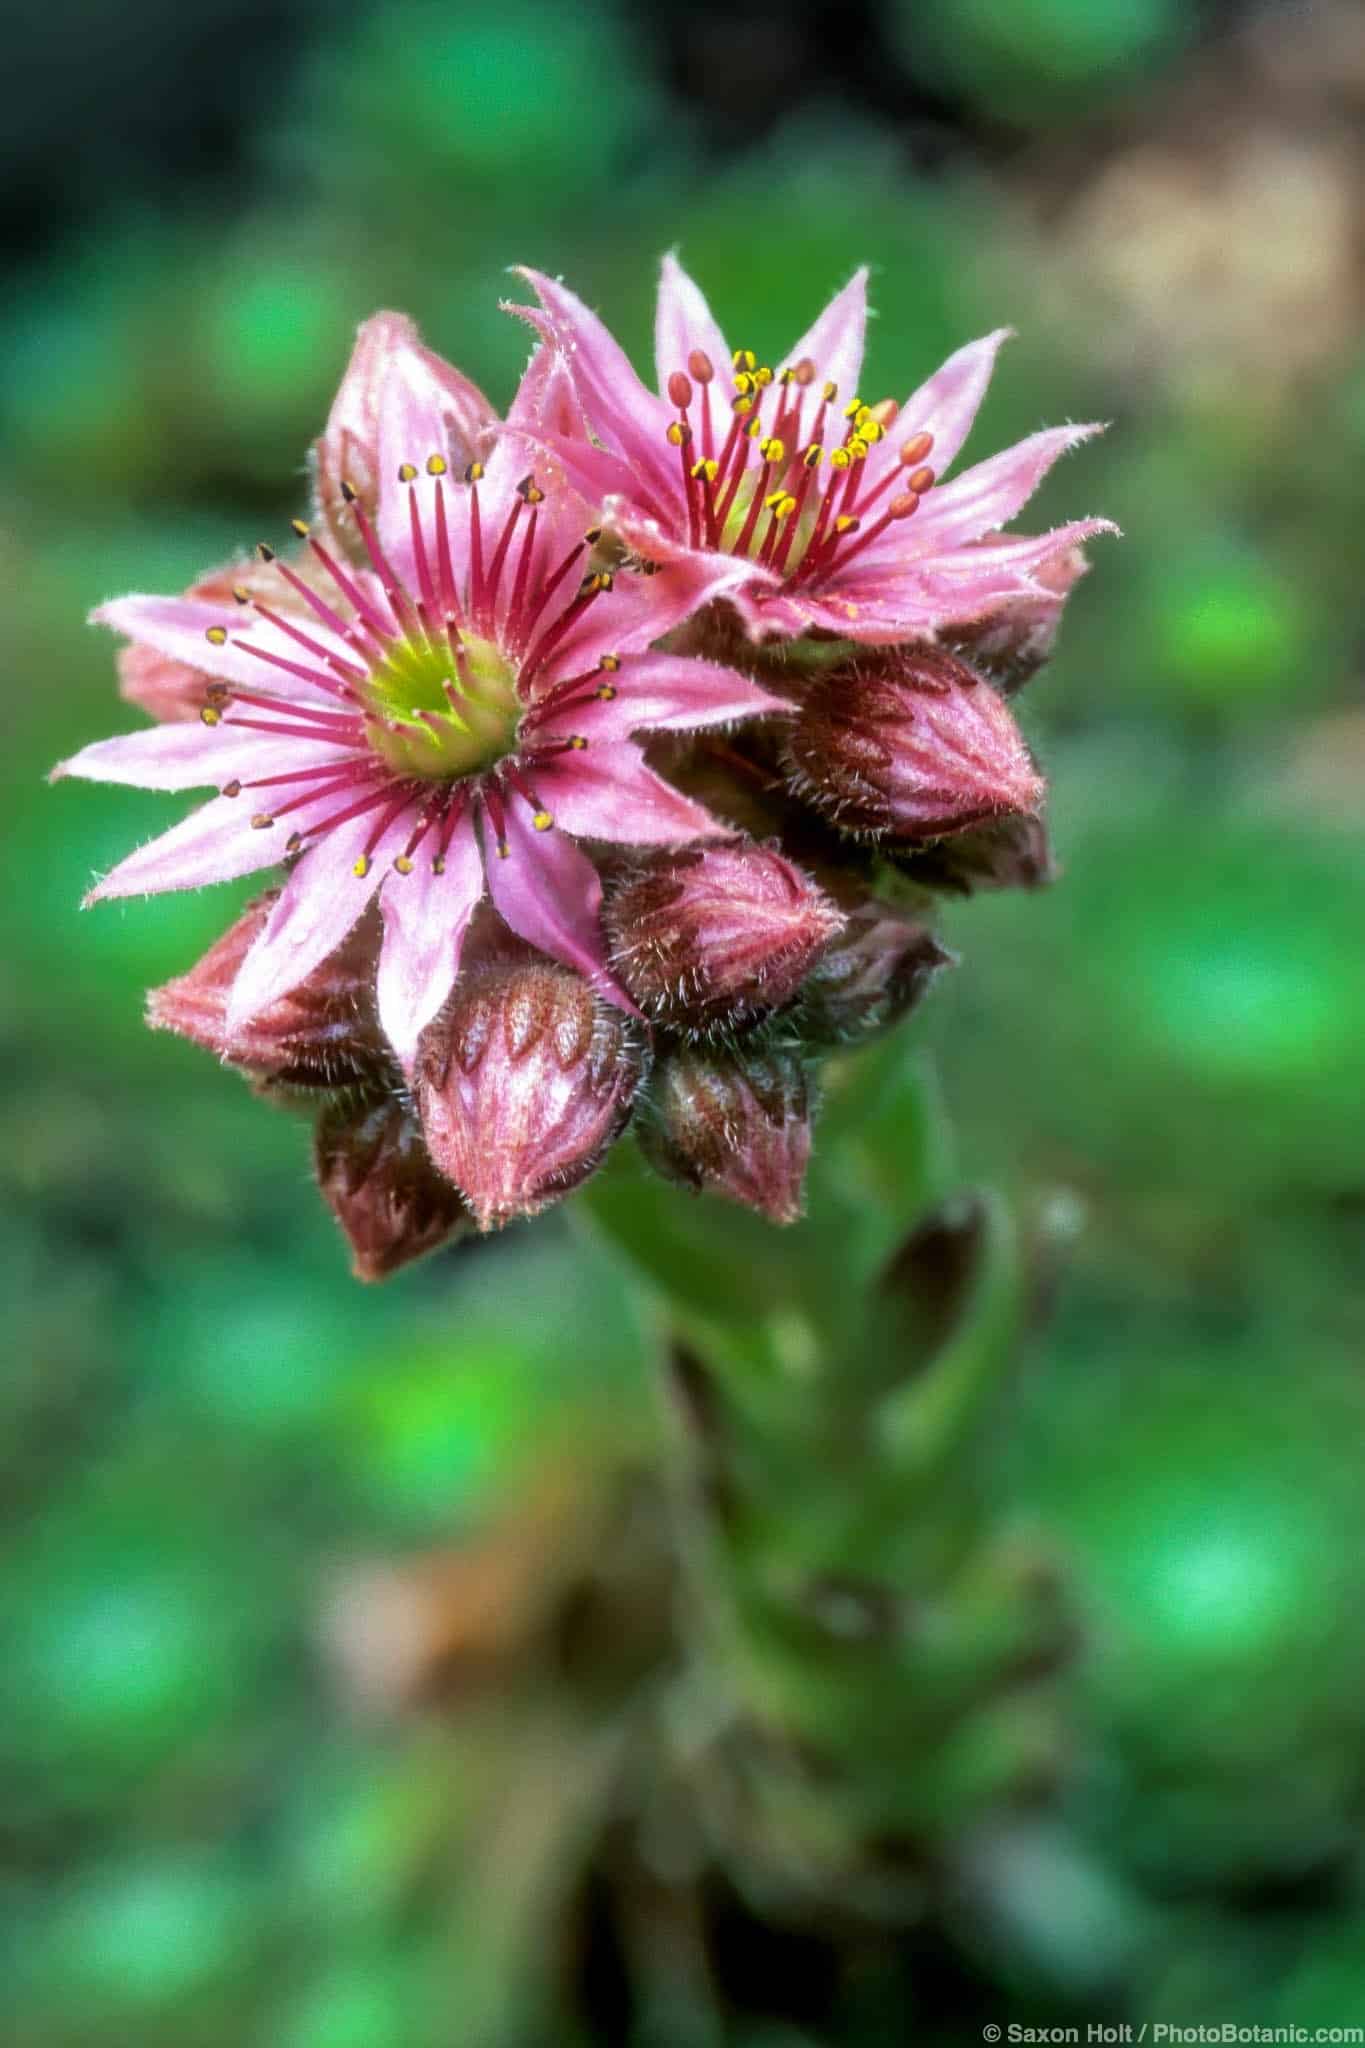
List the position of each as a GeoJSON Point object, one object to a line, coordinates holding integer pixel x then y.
{"type": "Point", "coordinates": [717, 933]}
{"type": "Point", "coordinates": [871, 977]}
{"type": "Point", "coordinates": [1009, 853]}
{"type": "Point", "coordinates": [323, 1034]}
{"type": "Point", "coordinates": [1014, 642]}
{"type": "Point", "coordinates": [523, 1082]}
{"type": "Point", "coordinates": [910, 747]}
{"type": "Point", "coordinates": [732, 1123]}
{"type": "Point", "coordinates": [377, 1179]}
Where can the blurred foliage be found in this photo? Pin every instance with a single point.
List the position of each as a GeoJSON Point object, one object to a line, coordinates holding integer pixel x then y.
{"type": "Point", "coordinates": [224, 1819]}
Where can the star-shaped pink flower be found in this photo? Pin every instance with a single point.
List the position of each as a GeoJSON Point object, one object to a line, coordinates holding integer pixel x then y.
{"type": "Point", "coordinates": [794, 500]}
{"type": "Point", "coordinates": [455, 707]}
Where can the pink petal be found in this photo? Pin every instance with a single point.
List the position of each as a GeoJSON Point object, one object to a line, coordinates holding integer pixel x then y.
{"type": "Point", "coordinates": [641, 609]}
{"type": "Point", "coordinates": [547, 400]}
{"type": "Point", "coordinates": [682, 323]}
{"type": "Point", "coordinates": [663, 693]}
{"type": "Point", "coordinates": [192, 757]}
{"type": "Point", "coordinates": [426, 916]}
{"type": "Point", "coordinates": [179, 627]}
{"type": "Point", "coordinates": [1021, 555]}
{"type": "Point", "coordinates": [948, 402]}
{"type": "Point", "coordinates": [214, 844]}
{"type": "Point", "coordinates": [426, 408]}
{"type": "Point", "coordinates": [316, 909]}
{"type": "Point", "coordinates": [835, 343]}
{"type": "Point", "coordinates": [597, 475]}
{"type": "Point", "coordinates": [547, 891]}
{"type": "Point", "coordinates": [629, 419]}
{"type": "Point", "coordinates": [607, 792]}
{"type": "Point", "coordinates": [986, 497]}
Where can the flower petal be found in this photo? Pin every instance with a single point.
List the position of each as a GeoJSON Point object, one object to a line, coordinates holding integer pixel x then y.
{"type": "Point", "coordinates": [216, 843]}
{"type": "Point", "coordinates": [180, 626]}
{"type": "Point", "coordinates": [683, 322]}
{"type": "Point", "coordinates": [988, 496]}
{"type": "Point", "coordinates": [1021, 554]}
{"type": "Point", "coordinates": [426, 408]}
{"type": "Point", "coordinates": [607, 792]}
{"type": "Point", "coordinates": [948, 402]}
{"type": "Point", "coordinates": [549, 893]}
{"type": "Point", "coordinates": [641, 609]}
{"type": "Point", "coordinates": [629, 419]}
{"type": "Point", "coordinates": [192, 757]}
{"type": "Point", "coordinates": [597, 475]}
{"type": "Point", "coordinates": [315, 910]}
{"type": "Point", "coordinates": [835, 343]}
{"type": "Point", "coordinates": [426, 916]}
{"type": "Point", "coordinates": [662, 693]}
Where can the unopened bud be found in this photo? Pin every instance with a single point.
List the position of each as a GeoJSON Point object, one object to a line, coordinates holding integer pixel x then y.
{"type": "Point", "coordinates": [732, 1123]}
{"type": "Point", "coordinates": [376, 1177]}
{"type": "Point", "coordinates": [717, 933]}
{"type": "Point", "coordinates": [1013, 643]}
{"type": "Point", "coordinates": [323, 1034]}
{"type": "Point", "coordinates": [910, 747]}
{"type": "Point", "coordinates": [1009, 853]}
{"type": "Point", "coordinates": [523, 1082]}
{"type": "Point", "coordinates": [870, 977]}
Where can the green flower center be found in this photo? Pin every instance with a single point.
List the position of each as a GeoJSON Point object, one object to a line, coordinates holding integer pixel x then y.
{"type": "Point", "coordinates": [441, 710]}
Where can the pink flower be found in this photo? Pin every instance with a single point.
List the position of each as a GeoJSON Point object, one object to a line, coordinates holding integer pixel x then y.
{"type": "Point", "coordinates": [785, 493]}
{"type": "Point", "coordinates": [460, 711]}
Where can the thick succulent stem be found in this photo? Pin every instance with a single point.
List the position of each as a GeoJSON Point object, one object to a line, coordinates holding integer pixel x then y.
{"type": "Point", "coordinates": [868, 1645]}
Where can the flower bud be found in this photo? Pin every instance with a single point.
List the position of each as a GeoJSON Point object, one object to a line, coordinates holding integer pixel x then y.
{"type": "Point", "coordinates": [523, 1082]}
{"type": "Point", "coordinates": [717, 933]}
{"type": "Point", "coordinates": [323, 1034]}
{"type": "Point", "coordinates": [733, 1123]}
{"type": "Point", "coordinates": [377, 1179]}
{"type": "Point", "coordinates": [1009, 853]}
{"type": "Point", "coordinates": [911, 747]}
{"type": "Point", "coordinates": [1012, 644]}
{"type": "Point", "coordinates": [871, 977]}
{"type": "Point", "coordinates": [347, 451]}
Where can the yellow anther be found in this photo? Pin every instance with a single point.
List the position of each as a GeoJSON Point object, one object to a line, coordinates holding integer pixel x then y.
{"type": "Point", "coordinates": [785, 376]}
{"type": "Point", "coordinates": [471, 476]}
{"type": "Point", "coordinates": [707, 470]}
{"type": "Point", "coordinates": [743, 405]}
{"type": "Point", "coordinates": [857, 448]}
{"type": "Point", "coordinates": [241, 595]}
{"type": "Point", "coordinates": [529, 491]}
{"type": "Point", "coordinates": [846, 524]}
{"type": "Point", "coordinates": [763, 375]}
{"type": "Point", "coordinates": [773, 449]}
{"type": "Point", "coordinates": [780, 504]}
{"type": "Point", "coordinates": [576, 739]}
{"type": "Point", "coordinates": [829, 393]}
{"type": "Point", "coordinates": [300, 527]}
{"type": "Point", "coordinates": [744, 359]}
{"type": "Point", "coordinates": [744, 383]}
{"type": "Point", "coordinates": [216, 635]}
{"type": "Point", "coordinates": [265, 551]}
{"type": "Point", "coordinates": [541, 820]}
{"type": "Point", "coordinates": [407, 472]}
{"type": "Point", "coordinates": [437, 466]}
{"type": "Point", "coordinates": [610, 662]}
{"type": "Point", "coordinates": [211, 715]}
{"type": "Point", "coordinates": [840, 458]}
{"type": "Point", "coordinates": [813, 455]}
{"type": "Point", "coordinates": [504, 850]}
{"type": "Point", "coordinates": [361, 868]}
{"type": "Point", "coordinates": [679, 433]}
{"type": "Point", "coordinates": [605, 693]}
{"type": "Point", "coordinates": [787, 507]}
{"type": "Point", "coordinates": [853, 408]}
{"type": "Point", "coordinates": [438, 866]}
{"type": "Point", "coordinates": [262, 821]}
{"type": "Point", "coordinates": [403, 864]}
{"type": "Point", "coordinates": [870, 429]}
{"type": "Point", "coordinates": [755, 428]}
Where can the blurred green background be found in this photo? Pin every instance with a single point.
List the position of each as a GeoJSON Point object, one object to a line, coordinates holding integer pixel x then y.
{"type": "Point", "coordinates": [250, 1503]}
